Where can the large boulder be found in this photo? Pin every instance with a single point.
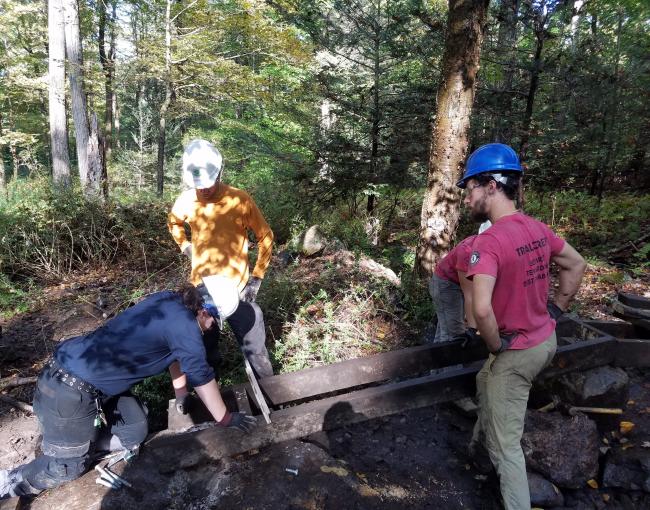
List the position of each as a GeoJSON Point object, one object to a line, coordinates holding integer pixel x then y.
{"type": "Point", "coordinates": [598, 387]}
{"type": "Point", "coordinates": [562, 449]}
{"type": "Point", "coordinates": [628, 469]}
{"type": "Point", "coordinates": [543, 493]}
{"type": "Point", "coordinates": [311, 241]}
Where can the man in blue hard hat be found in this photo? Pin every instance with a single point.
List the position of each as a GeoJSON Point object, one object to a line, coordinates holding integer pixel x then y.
{"type": "Point", "coordinates": [509, 269]}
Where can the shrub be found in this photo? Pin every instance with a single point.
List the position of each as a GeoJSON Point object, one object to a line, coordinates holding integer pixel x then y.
{"type": "Point", "coordinates": [47, 233]}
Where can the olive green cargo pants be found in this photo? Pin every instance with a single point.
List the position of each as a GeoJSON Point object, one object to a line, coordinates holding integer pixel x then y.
{"type": "Point", "coordinates": [502, 388]}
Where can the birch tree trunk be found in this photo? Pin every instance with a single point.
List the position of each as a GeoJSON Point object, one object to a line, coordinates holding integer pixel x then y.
{"type": "Point", "coordinates": [450, 138]}
{"type": "Point", "coordinates": [89, 157]}
{"type": "Point", "coordinates": [78, 99]}
{"type": "Point", "coordinates": [56, 69]}
{"type": "Point", "coordinates": [3, 177]}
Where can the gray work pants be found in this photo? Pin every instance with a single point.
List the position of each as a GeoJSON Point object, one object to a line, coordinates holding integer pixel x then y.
{"type": "Point", "coordinates": [247, 324]}
{"type": "Point", "coordinates": [449, 304]}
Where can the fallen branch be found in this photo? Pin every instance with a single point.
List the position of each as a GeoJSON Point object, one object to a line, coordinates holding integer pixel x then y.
{"type": "Point", "coordinates": [17, 404]}
{"type": "Point", "coordinates": [14, 380]}
{"type": "Point", "coordinates": [629, 244]}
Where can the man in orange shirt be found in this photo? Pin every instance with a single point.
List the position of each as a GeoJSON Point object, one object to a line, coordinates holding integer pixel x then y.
{"type": "Point", "coordinates": [220, 217]}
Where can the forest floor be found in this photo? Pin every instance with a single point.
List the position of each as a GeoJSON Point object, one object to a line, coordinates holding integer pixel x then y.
{"type": "Point", "coordinates": [410, 460]}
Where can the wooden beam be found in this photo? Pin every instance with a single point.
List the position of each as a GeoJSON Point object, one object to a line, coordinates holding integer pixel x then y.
{"type": "Point", "coordinates": [631, 352]}
{"type": "Point", "coordinates": [306, 384]}
{"type": "Point", "coordinates": [303, 385]}
{"type": "Point", "coordinates": [305, 419]}
{"type": "Point", "coordinates": [332, 412]}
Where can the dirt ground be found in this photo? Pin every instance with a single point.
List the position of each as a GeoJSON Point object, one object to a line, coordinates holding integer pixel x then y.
{"type": "Point", "coordinates": [412, 460]}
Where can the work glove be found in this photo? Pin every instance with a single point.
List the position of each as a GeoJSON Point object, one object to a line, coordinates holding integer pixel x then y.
{"type": "Point", "coordinates": [185, 403]}
{"type": "Point", "coordinates": [554, 311]}
{"type": "Point", "coordinates": [252, 288]}
{"type": "Point", "coordinates": [187, 251]}
{"type": "Point", "coordinates": [506, 340]}
{"type": "Point", "coordinates": [470, 338]}
{"type": "Point", "coordinates": [240, 421]}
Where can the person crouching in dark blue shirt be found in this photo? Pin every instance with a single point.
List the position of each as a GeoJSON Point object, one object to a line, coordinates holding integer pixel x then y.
{"type": "Point", "coordinates": [85, 386]}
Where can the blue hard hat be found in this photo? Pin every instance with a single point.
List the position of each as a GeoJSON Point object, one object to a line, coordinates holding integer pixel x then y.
{"type": "Point", "coordinates": [493, 157]}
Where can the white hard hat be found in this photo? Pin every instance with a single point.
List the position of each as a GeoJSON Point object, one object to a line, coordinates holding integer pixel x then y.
{"type": "Point", "coordinates": [202, 164]}
{"type": "Point", "coordinates": [222, 294]}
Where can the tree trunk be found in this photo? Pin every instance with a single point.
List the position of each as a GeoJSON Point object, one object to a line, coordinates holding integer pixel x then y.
{"type": "Point", "coordinates": [115, 116]}
{"type": "Point", "coordinates": [532, 91]}
{"type": "Point", "coordinates": [610, 128]}
{"type": "Point", "coordinates": [97, 183]}
{"type": "Point", "coordinates": [450, 138]}
{"type": "Point", "coordinates": [506, 44]}
{"type": "Point", "coordinates": [3, 178]}
{"type": "Point", "coordinates": [89, 157]}
{"type": "Point", "coordinates": [162, 125]}
{"type": "Point", "coordinates": [56, 68]}
{"type": "Point", "coordinates": [73, 51]}
{"type": "Point", "coordinates": [108, 61]}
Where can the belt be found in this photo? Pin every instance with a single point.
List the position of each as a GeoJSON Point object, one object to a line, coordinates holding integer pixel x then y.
{"type": "Point", "coordinates": [66, 377]}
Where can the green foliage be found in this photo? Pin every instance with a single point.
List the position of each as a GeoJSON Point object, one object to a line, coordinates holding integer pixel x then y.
{"type": "Point", "coordinates": [13, 299]}
{"type": "Point", "coordinates": [155, 392]}
{"type": "Point", "coordinates": [593, 227]}
{"type": "Point", "coordinates": [48, 233]}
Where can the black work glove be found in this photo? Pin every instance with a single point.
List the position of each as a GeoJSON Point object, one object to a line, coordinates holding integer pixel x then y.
{"type": "Point", "coordinates": [249, 294]}
{"type": "Point", "coordinates": [185, 403]}
{"type": "Point", "coordinates": [554, 311]}
{"type": "Point", "coordinates": [240, 421]}
{"type": "Point", "coordinates": [470, 338]}
{"type": "Point", "coordinates": [506, 340]}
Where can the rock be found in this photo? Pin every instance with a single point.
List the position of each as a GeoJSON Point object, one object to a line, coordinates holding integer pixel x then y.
{"type": "Point", "coordinates": [367, 265]}
{"type": "Point", "coordinates": [542, 492]}
{"type": "Point", "coordinates": [376, 269]}
{"type": "Point", "coordinates": [311, 241]}
{"type": "Point", "coordinates": [285, 258]}
{"type": "Point", "coordinates": [334, 246]}
{"type": "Point", "coordinates": [599, 387]}
{"type": "Point", "coordinates": [628, 469]}
{"type": "Point", "coordinates": [562, 449]}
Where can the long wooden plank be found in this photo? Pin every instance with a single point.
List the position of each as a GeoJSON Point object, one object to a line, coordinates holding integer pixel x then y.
{"type": "Point", "coordinates": [308, 418]}
{"type": "Point", "coordinates": [307, 384]}
{"type": "Point", "coordinates": [214, 443]}
{"type": "Point", "coordinates": [581, 356]}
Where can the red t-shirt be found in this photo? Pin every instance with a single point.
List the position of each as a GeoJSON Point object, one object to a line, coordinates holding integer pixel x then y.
{"type": "Point", "coordinates": [517, 250]}
{"type": "Point", "coordinates": [456, 260]}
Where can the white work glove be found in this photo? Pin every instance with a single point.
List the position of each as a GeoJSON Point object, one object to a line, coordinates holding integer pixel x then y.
{"type": "Point", "coordinates": [187, 251]}
{"type": "Point", "coordinates": [252, 288]}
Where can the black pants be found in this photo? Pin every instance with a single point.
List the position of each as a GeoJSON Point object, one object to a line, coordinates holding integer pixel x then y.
{"type": "Point", "coordinates": [247, 323]}
{"type": "Point", "coordinates": [67, 417]}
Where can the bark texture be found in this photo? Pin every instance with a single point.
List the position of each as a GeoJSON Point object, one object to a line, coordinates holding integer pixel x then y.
{"type": "Point", "coordinates": [441, 204]}
{"type": "Point", "coordinates": [56, 69]}
{"type": "Point", "coordinates": [73, 52]}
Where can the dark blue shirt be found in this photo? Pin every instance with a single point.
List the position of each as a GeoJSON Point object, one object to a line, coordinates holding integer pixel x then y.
{"type": "Point", "coordinates": [140, 342]}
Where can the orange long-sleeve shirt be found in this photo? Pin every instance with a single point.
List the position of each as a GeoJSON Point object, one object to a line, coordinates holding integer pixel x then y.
{"type": "Point", "coordinates": [220, 233]}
